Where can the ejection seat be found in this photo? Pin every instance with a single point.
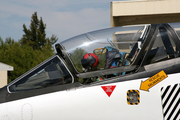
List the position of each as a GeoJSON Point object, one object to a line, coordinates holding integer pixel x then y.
{"type": "Point", "coordinates": [114, 58]}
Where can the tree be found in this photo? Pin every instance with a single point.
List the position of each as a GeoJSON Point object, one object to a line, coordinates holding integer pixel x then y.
{"type": "Point", "coordinates": [22, 58]}
{"type": "Point", "coordinates": [36, 35]}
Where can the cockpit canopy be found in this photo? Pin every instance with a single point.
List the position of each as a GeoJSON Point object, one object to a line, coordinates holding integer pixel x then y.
{"type": "Point", "coordinates": [103, 43]}
{"type": "Point", "coordinates": [121, 50]}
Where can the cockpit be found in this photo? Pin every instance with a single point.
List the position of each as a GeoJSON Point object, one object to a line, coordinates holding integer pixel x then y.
{"type": "Point", "coordinates": [114, 47]}
{"type": "Point", "coordinates": [120, 50]}
{"type": "Point", "coordinates": [121, 38]}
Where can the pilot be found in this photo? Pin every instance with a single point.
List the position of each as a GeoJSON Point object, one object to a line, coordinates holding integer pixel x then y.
{"type": "Point", "coordinates": [90, 62]}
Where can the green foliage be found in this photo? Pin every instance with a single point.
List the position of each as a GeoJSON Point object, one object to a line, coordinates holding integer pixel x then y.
{"type": "Point", "coordinates": [102, 61]}
{"type": "Point", "coordinates": [35, 36]}
{"type": "Point", "coordinates": [76, 58]}
{"type": "Point", "coordinates": [22, 58]}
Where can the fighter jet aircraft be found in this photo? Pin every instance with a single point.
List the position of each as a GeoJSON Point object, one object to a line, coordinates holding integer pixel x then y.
{"type": "Point", "coordinates": [127, 72]}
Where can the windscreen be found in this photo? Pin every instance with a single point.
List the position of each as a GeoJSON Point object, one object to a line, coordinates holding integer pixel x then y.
{"type": "Point", "coordinates": [49, 73]}
{"type": "Point", "coordinates": [103, 43]}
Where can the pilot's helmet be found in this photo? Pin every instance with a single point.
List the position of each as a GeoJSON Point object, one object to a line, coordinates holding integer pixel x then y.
{"type": "Point", "coordinates": [89, 61]}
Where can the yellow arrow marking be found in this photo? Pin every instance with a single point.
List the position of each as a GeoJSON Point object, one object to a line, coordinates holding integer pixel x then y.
{"type": "Point", "coordinates": [146, 85]}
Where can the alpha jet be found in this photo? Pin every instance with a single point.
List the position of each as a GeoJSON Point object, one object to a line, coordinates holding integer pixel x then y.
{"type": "Point", "coordinates": [127, 72]}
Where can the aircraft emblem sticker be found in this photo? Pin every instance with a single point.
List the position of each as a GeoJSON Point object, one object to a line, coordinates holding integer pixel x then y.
{"type": "Point", "coordinates": [108, 89]}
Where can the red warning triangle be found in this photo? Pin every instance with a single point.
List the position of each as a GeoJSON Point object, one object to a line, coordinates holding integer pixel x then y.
{"type": "Point", "coordinates": [108, 89]}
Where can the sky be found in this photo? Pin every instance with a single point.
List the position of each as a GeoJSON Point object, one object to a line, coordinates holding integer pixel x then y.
{"type": "Point", "coordinates": [63, 18]}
